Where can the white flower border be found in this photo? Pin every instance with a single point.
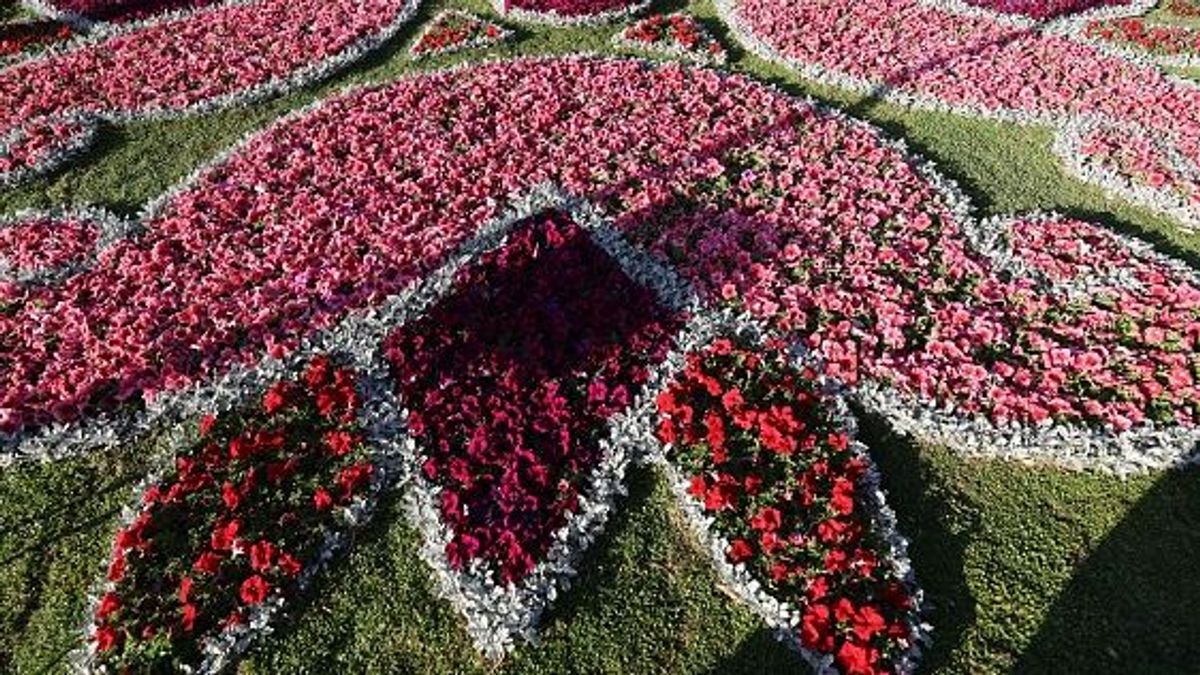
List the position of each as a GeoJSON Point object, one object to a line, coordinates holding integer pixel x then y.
{"type": "Point", "coordinates": [110, 230]}
{"type": "Point", "coordinates": [301, 77]}
{"type": "Point", "coordinates": [479, 41]}
{"type": "Point", "coordinates": [672, 49]}
{"type": "Point", "coordinates": [1115, 188]}
{"type": "Point", "coordinates": [568, 21]}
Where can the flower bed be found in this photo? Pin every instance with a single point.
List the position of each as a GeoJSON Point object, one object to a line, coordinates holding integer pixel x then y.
{"type": "Point", "coordinates": [171, 66]}
{"type": "Point", "coordinates": [43, 244]}
{"type": "Point", "coordinates": [510, 383]}
{"type": "Point", "coordinates": [676, 35]}
{"type": "Point", "coordinates": [231, 529]}
{"type": "Point", "coordinates": [1043, 10]}
{"type": "Point", "coordinates": [451, 31]}
{"type": "Point", "coordinates": [120, 11]}
{"type": "Point", "coordinates": [770, 462]}
{"type": "Point", "coordinates": [932, 56]}
{"type": "Point", "coordinates": [27, 36]}
{"type": "Point", "coordinates": [1154, 39]}
{"type": "Point", "coordinates": [808, 221]}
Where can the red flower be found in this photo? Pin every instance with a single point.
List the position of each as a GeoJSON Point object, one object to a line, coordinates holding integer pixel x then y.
{"type": "Point", "coordinates": [351, 478]}
{"type": "Point", "coordinates": [106, 638]}
{"type": "Point", "coordinates": [206, 424]}
{"type": "Point", "coordinates": [867, 622]}
{"type": "Point", "coordinates": [185, 590]}
{"type": "Point", "coordinates": [108, 604]}
{"type": "Point", "coordinates": [322, 500]}
{"type": "Point", "coordinates": [188, 621]}
{"type": "Point", "coordinates": [842, 500]}
{"type": "Point", "coordinates": [740, 551]}
{"type": "Point", "coordinates": [277, 397]}
{"type": "Point", "coordinates": [715, 436]}
{"type": "Point", "coordinates": [816, 629]}
{"type": "Point", "coordinates": [856, 659]}
{"type": "Point", "coordinates": [208, 563]}
{"type": "Point", "coordinates": [225, 534]}
{"type": "Point", "coordinates": [767, 520]}
{"type": "Point", "coordinates": [254, 590]}
{"type": "Point", "coordinates": [262, 555]}
{"type": "Point", "coordinates": [116, 568]}
{"type": "Point", "coordinates": [229, 495]}
{"type": "Point", "coordinates": [289, 565]}
{"type": "Point", "coordinates": [340, 443]}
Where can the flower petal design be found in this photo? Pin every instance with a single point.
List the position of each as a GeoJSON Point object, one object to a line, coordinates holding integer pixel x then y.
{"type": "Point", "coordinates": [455, 30]}
{"type": "Point", "coordinates": [934, 55]}
{"type": "Point", "coordinates": [812, 223]}
{"type": "Point", "coordinates": [176, 65]}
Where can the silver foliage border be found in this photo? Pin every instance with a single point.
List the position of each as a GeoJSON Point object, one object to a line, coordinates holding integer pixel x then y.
{"type": "Point", "coordinates": [110, 228]}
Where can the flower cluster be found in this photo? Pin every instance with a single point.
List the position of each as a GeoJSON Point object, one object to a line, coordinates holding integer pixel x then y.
{"type": "Point", "coordinates": [929, 55]}
{"type": "Point", "coordinates": [44, 243]}
{"type": "Point", "coordinates": [21, 36]}
{"type": "Point", "coordinates": [678, 35]}
{"type": "Point", "coordinates": [570, 12]}
{"type": "Point", "coordinates": [1184, 8]}
{"type": "Point", "coordinates": [244, 510]}
{"type": "Point", "coordinates": [1044, 9]}
{"type": "Point", "coordinates": [807, 220]}
{"type": "Point", "coordinates": [455, 30]}
{"type": "Point", "coordinates": [1156, 39]}
{"type": "Point", "coordinates": [775, 469]}
{"type": "Point", "coordinates": [121, 11]}
{"type": "Point", "coordinates": [510, 383]}
{"type": "Point", "coordinates": [210, 58]}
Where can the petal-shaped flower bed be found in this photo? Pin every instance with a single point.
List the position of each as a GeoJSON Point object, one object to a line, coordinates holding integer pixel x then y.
{"type": "Point", "coordinates": [790, 502]}
{"type": "Point", "coordinates": [235, 529]}
{"type": "Point", "coordinates": [510, 384]}
{"type": "Point", "coordinates": [451, 31]}
{"type": "Point", "coordinates": [677, 35]}
{"type": "Point", "coordinates": [120, 11]}
{"type": "Point", "coordinates": [933, 56]}
{"type": "Point", "coordinates": [174, 65]}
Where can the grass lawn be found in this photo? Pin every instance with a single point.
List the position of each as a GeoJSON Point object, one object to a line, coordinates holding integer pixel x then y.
{"type": "Point", "coordinates": [1026, 569]}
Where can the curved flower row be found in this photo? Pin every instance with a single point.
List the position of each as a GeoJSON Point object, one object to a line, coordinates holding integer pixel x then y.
{"type": "Point", "coordinates": [929, 55]}
{"type": "Point", "coordinates": [1044, 9]}
{"type": "Point", "coordinates": [248, 506]}
{"type": "Point", "coordinates": [117, 11]}
{"type": "Point", "coordinates": [1170, 45]}
{"type": "Point", "coordinates": [176, 65]}
{"type": "Point", "coordinates": [769, 459]}
{"type": "Point", "coordinates": [22, 36]}
{"type": "Point", "coordinates": [806, 220]}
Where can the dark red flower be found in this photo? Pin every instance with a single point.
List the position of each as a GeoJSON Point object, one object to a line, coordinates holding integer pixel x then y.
{"type": "Point", "coordinates": [254, 590]}
{"type": "Point", "coordinates": [262, 555]}
{"type": "Point", "coordinates": [108, 604]}
{"type": "Point", "coordinates": [322, 500]}
{"type": "Point", "coordinates": [106, 638]}
{"type": "Point", "coordinates": [767, 519]}
{"type": "Point", "coordinates": [208, 563]}
{"type": "Point", "coordinates": [224, 535]}
{"type": "Point", "coordinates": [185, 590]}
{"type": "Point", "coordinates": [289, 565]}
{"type": "Point", "coordinates": [188, 618]}
{"type": "Point", "coordinates": [740, 551]}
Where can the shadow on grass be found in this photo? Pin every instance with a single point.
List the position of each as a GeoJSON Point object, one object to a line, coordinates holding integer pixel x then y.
{"type": "Point", "coordinates": [1130, 606]}
{"type": "Point", "coordinates": [936, 549]}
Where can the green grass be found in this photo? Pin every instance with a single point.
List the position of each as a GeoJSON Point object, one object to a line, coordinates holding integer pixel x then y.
{"type": "Point", "coordinates": [1029, 570]}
